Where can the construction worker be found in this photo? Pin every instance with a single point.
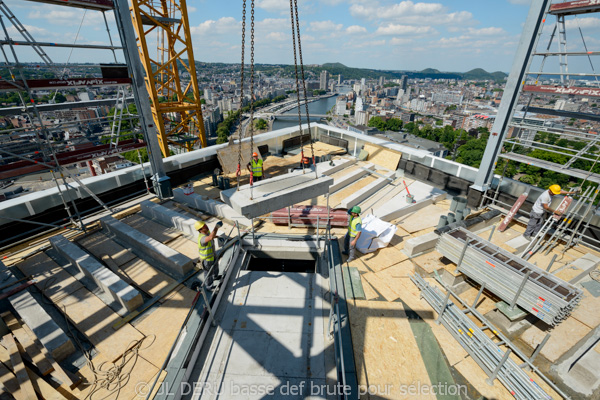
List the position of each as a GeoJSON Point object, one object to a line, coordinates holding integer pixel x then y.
{"type": "Point", "coordinates": [540, 207]}
{"type": "Point", "coordinates": [354, 231]}
{"type": "Point", "coordinates": [206, 249]}
{"type": "Point", "coordinates": [255, 166]}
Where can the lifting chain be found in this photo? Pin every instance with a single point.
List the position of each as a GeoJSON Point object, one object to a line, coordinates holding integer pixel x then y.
{"type": "Point", "coordinates": [297, 86]}
{"type": "Point", "coordinates": [251, 93]}
{"type": "Point", "coordinates": [312, 150]}
{"type": "Point", "coordinates": [239, 170]}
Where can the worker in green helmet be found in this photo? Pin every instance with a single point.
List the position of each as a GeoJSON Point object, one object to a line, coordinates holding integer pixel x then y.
{"type": "Point", "coordinates": [539, 209]}
{"type": "Point", "coordinates": [354, 231]}
{"type": "Point", "coordinates": [206, 249]}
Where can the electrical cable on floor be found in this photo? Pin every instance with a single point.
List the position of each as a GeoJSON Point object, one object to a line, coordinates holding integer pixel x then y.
{"type": "Point", "coordinates": [107, 377]}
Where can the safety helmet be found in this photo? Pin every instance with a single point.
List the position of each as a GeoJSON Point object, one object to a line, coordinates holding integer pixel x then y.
{"type": "Point", "coordinates": [355, 209]}
{"type": "Point", "coordinates": [254, 154]}
{"type": "Point", "coordinates": [555, 189]}
{"type": "Point", "coordinates": [199, 225]}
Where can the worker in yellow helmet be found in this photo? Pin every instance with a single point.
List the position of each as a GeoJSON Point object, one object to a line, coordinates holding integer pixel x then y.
{"type": "Point", "coordinates": [539, 209]}
{"type": "Point", "coordinates": [206, 249]}
{"type": "Point", "coordinates": [354, 231]}
{"type": "Point", "coordinates": [255, 166]}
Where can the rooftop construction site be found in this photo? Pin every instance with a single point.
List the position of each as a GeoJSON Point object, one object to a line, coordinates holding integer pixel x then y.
{"type": "Point", "coordinates": [222, 272]}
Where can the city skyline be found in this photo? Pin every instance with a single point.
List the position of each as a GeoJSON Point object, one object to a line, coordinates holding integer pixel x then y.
{"type": "Point", "coordinates": [388, 35]}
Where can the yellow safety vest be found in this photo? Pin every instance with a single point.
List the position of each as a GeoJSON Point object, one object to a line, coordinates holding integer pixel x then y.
{"type": "Point", "coordinates": [206, 251]}
{"type": "Point", "coordinates": [352, 226]}
{"type": "Point", "coordinates": [256, 167]}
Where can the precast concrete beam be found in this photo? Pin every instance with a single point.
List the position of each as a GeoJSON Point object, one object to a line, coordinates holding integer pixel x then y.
{"type": "Point", "coordinates": [367, 191]}
{"type": "Point", "coordinates": [149, 249]}
{"type": "Point", "coordinates": [353, 176]}
{"type": "Point", "coordinates": [108, 281]}
{"type": "Point", "coordinates": [276, 193]}
{"type": "Point", "coordinates": [420, 244]}
{"type": "Point", "coordinates": [169, 218]}
{"type": "Point", "coordinates": [212, 207]}
{"type": "Point", "coordinates": [325, 168]}
{"type": "Point", "coordinates": [52, 337]}
{"type": "Point", "coordinates": [398, 206]}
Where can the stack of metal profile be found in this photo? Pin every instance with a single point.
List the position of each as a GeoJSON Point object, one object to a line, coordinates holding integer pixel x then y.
{"type": "Point", "coordinates": [492, 359]}
{"type": "Point", "coordinates": [509, 277]}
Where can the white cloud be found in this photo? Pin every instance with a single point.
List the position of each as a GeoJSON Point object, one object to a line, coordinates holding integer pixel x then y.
{"type": "Point", "coordinates": [277, 36]}
{"type": "Point", "coordinates": [274, 5]}
{"type": "Point", "coordinates": [520, 2]}
{"type": "Point", "coordinates": [399, 10]}
{"type": "Point", "coordinates": [356, 29]}
{"type": "Point", "coordinates": [400, 41]}
{"type": "Point", "coordinates": [325, 26]}
{"type": "Point", "coordinates": [372, 43]}
{"type": "Point", "coordinates": [191, 9]}
{"type": "Point", "coordinates": [490, 31]}
{"type": "Point", "coordinates": [394, 29]}
{"type": "Point", "coordinates": [220, 26]}
{"type": "Point", "coordinates": [583, 23]}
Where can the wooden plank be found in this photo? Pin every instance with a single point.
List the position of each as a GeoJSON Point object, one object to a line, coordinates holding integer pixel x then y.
{"type": "Point", "coordinates": [52, 279]}
{"type": "Point", "coordinates": [564, 336]}
{"type": "Point", "coordinates": [383, 157]}
{"type": "Point", "coordinates": [185, 246]}
{"type": "Point", "coordinates": [370, 293]}
{"type": "Point", "coordinates": [93, 319]}
{"type": "Point", "coordinates": [423, 219]}
{"type": "Point", "coordinates": [99, 244]}
{"type": "Point", "coordinates": [163, 323]}
{"type": "Point", "coordinates": [383, 258]}
{"type": "Point", "coordinates": [58, 372]}
{"type": "Point", "coordinates": [9, 381]}
{"type": "Point", "coordinates": [477, 377]}
{"type": "Point", "coordinates": [147, 278]}
{"type": "Point", "coordinates": [150, 228]}
{"type": "Point", "coordinates": [336, 199]}
{"type": "Point", "coordinates": [18, 367]}
{"type": "Point", "coordinates": [353, 284]}
{"type": "Point", "coordinates": [29, 346]}
{"type": "Point", "coordinates": [385, 349]}
{"type": "Point", "coordinates": [381, 286]}
{"type": "Point", "coordinates": [43, 388]}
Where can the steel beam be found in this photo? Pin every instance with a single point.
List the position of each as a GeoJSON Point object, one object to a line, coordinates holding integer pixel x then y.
{"type": "Point", "coordinates": [527, 44]}
{"type": "Point", "coordinates": [160, 180]}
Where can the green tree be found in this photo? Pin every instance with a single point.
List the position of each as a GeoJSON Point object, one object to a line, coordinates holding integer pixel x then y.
{"type": "Point", "coordinates": [378, 123]}
{"type": "Point", "coordinates": [394, 124]}
{"type": "Point", "coordinates": [261, 124]}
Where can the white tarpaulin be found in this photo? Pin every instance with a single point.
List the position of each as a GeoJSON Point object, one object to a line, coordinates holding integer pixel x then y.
{"type": "Point", "coordinates": [375, 234]}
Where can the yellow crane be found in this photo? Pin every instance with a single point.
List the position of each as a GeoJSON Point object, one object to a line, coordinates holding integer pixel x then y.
{"type": "Point", "coordinates": [176, 108]}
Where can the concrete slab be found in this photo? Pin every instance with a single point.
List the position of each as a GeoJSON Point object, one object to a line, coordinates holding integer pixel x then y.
{"type": "Point", "coordinates": [211, 207]}
{"type": "Point", "coordinates": [152, 251]}
{"type": "Point", "coordinates": [420, 244]}
{"type": "Point", "coordinates": [276, 193]}
{"type": "Point", "coordinates": [397, 207]}
{"type": "Point", "coordinates": [586, 264]}
{"type": "Point", "coordinates": [518, 243]}
{"type": "Point", "coordinates": [108, 281]}
{"type": "Point", "coordinates": [366, 191]}
{"type": "Point", "coordinates": [514, 315]}
{"type": "Point", "coordinates": [331, 167]}
{"type": "Point", "coordinates": [35, 317]}
{"type": "Point", "coordinates": [351, 177]}
{"type": "Point", "coordinates": [169, 218]}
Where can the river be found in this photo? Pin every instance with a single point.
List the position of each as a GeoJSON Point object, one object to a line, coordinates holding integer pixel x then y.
{"type": "Point", "coordinates": [316, 107]}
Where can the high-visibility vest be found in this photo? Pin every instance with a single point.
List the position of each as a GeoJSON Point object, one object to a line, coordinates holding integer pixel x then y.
{"type": "Point", "coordinates": [206, 251]}
{"type": "Point", "coordinates": [352, 226]}
{"type": "Point", "coordinates": [256, 167]}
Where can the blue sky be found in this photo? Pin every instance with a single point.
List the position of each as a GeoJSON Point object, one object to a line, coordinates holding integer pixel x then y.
{"type": "Point", "coordinates": [449, 35]}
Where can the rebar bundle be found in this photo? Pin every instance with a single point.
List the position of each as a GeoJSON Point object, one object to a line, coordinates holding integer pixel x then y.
{"type": "Point", "coordinates": [487, 354]}
{"type": "Point", "coordinates": [509, 277]}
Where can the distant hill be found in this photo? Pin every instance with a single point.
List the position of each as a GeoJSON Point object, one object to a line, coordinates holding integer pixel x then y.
{"type": "Point", "coordinates": [481, 74]}
{"type": "Point", "coordinates": [336, 68]}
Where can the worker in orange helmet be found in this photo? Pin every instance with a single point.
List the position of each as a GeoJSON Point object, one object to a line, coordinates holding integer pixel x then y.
{"type": "Point", "coordinates": [255, 166]}
{"type": "Point", "coordinates": [539, 209]}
